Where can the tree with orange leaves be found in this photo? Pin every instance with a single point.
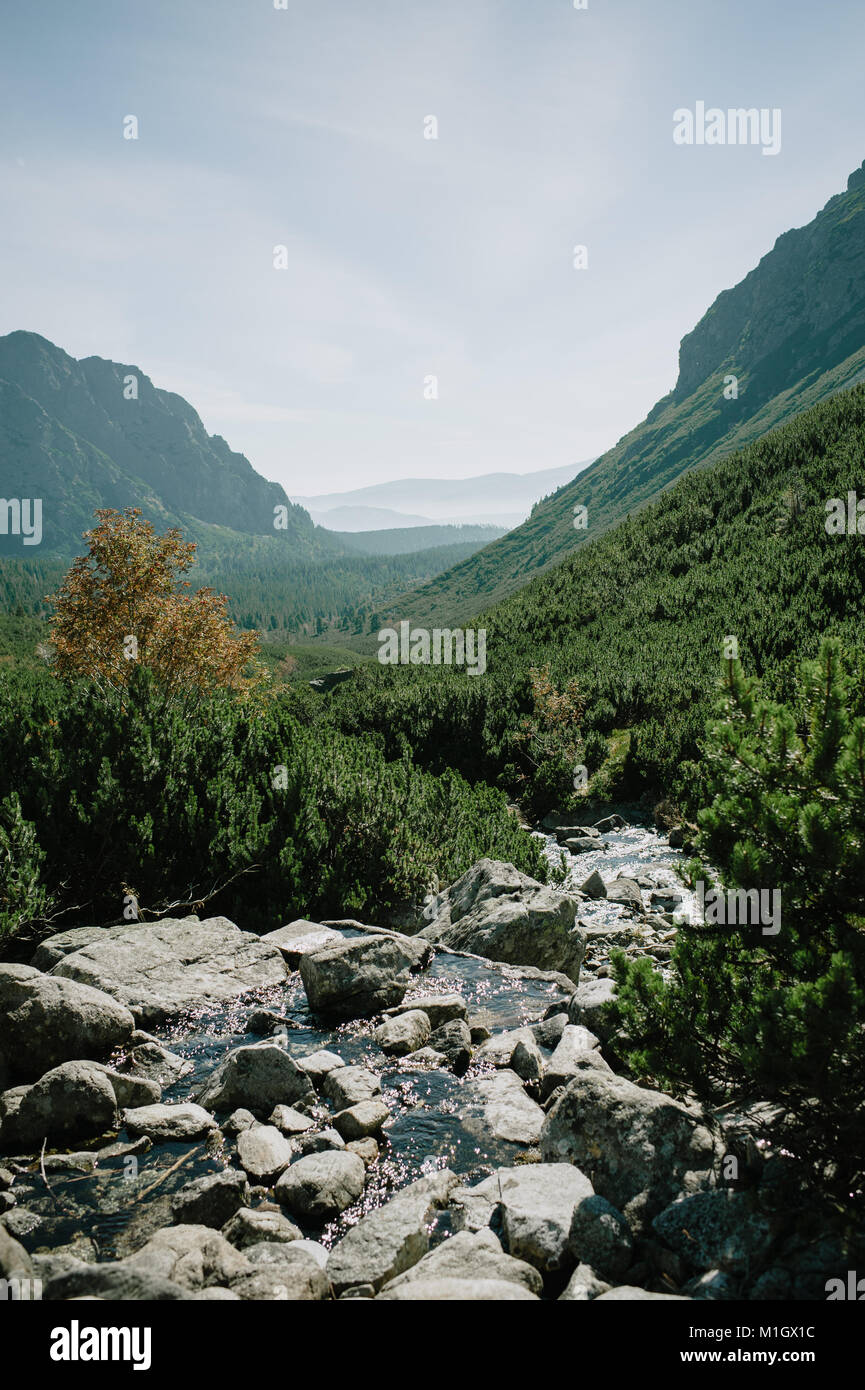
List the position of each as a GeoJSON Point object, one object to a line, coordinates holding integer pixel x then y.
{"type": "Point", "coordinates": [124, 605]}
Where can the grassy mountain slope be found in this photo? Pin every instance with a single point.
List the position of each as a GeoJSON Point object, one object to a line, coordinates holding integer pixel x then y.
{"type": "Point", "coordinates": [792, 332]}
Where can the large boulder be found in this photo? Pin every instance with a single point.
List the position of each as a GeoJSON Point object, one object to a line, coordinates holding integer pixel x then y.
{"type": "Point", "coordinates": [193, 1256]}
{"type": "Point", "coordinates": [588, 1007]}
{"type": "Point", "coordinates": [403, 1033]}
{"type": "Point", "coordinates": [347, 1086]}
{"type": "Point", "coordinates": [169, 1124]}
{"type": "Point", "coordinates": [720, 1230]}
{"type": "Point", "coordinates": [256, 1078]}
{"type": "Point", "coordinates": [357, 977]}
{"type": "Point", "coordinates": [572, 1046]}
{"type": "Point", "coordinates": [459, 1291]}
{"type": "Point", "coordinates": [161, 969]}
{"type": "Point", "coordinates": [640, 1148]}
{"type": "Point", "coordinates": [535, 1206]}
{"type": "Point", "coordinates": [497, 1105]}
{"type": "Point", "coordinates": [297, 939]}
{"type": "Point", "coordinates": [294, 1275]}
{"type": "Point", "coordinates": [45, 1021]}
{"type": "Point", "coordinates": [264, 1153]}
{"type": "Point", "coordinates": [600, 1237]}
{"type": "Point", "coordinates": [255, 1226]}
{"type": "Point", "coordinates": [72, 1100]}
{"type": "Point", "coordinates": [390, 1239]}
{"type": "Point", "coordinates": [210, 1200]}
{"type": "Point", "coordinates": [471, 1255]}
{"type": "Point", "coordinates": [439, 1008]}
{"type": "Point", "coordinates": [321, 1185]}
{"type": "Point", "coordinates": [493, 910]}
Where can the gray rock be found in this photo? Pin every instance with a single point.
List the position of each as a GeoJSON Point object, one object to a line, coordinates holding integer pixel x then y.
{"type": "Point", "coordinates": [718, 1230]}
{"type": "Point", "coordinates": [14, 1261]}
{"type": "Point", "coordinates": [454, 1041]}
{"type": "Point", "coordinates": [252, 1227]}
{"type": "Point", "coordinates": [45, 1021]}
{"type": "Point", "coordinates": [73, 1099]}
{"type": "Point", "coordinates": [130, 1091]}
{"type": "Point", "coordinates": [361, 1120]}
{"type": "Point", "coordinates": [297, 939]}
{"type": "Point", "coordinates": [290, 1121]}
{"type": "Point", "coordinates": [573, 1045]}
{"type": "Point", "coordinates": [640, 1148]}
{"type": "Point", "coordinates": [582, 844]}
{"type": "Point", "coordinates": [321, 1185]}
{"type": "Point", "coordinates": [419, 953]}
{"type": "Point", "coordinates": [439, 1008]}
{"type": "Point", "coordinates": [499, 1049]}
{"type": "Point", "coordinates": [404, 1033]}
{"type": "Point", "coordinates": [268, 1252]}
{"type": "Point", "coordinates": [626, 891]}
{"type": "Point", "coordinates": [535, 1204]}
{"type": "Point", "coordinates": [471, 1255]}
{"type": "Point", "coordinates": [527, 1062]}
{"type": "Point", "coordinates": [390, 1239]}
{"type": "Point", "coordinates": [168, 1124]}
{"type": "Point", "coordinates": [210, 1200]}
{"type": "Point", "coordinates": [601, 1237]}
{"type": "Point", "coordinates": [458, 1291]}
{"type": "Point", "coordinates": [115, 1281]}
{"type": "Point", "coordinates": [351, 1085]}
{"type": "Point", "coordinates": [506, 1111]}
{"type": "Point", "coordinates": [149, 1061]}
{"type": "Point", "coordinates": [583, 1285]}
{"type": "Point", "coordinates": [548, 1031]}
{"type": "Point", "coordinates": [366, 1148]}
{"type": "Point", "coordinates": [357, 977]}
{"type": "Point", "coordinates": [256, 1077]}
{"type": "Point", "coordinates": [610, 823]}
{"type": "Point", "coordinates": [161, 969]}
{"type": "Point", "coordinates": [295, 1276]}
{"type": "Point", "coordinates": [238, 1121]}
{"type": "Point", "coordinates": [588, 1007]}
{"type": "Point", "coordinates": [193, 1256]}
{"type": "Point", "coordinates": [594, 886]}
{"type": "Point", "coordinates": [628, 1293]}
{"type": "Point", "coordinates": [495, 911]}
{"type": "Point", "coordinates": [52, 950]}
{"type": "Point", "coordinates": [318, 1141]}
{"type": "Point", "coordinates": [317, 1065]}
{"type": "Point", "coordinates": [263, 1153]}
{"type": "Point", "coordinates": [563, 833]}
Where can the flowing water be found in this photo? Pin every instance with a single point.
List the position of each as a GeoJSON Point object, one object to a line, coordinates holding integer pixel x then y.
{"type": "Point", "coordinates": [432, 1124]}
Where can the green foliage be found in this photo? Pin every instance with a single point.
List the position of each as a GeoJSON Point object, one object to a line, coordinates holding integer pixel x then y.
{"type": "Point", "coordinates": [781, 1015]}
{"type": "Point", "coordinates": [638, 617]}
{"type": "Point", "coordinates": [24, 902]}
{"type": "Point", "coordinates": [247, 809]}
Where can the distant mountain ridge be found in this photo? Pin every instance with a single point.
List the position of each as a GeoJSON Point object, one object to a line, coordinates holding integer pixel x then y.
{"type": "Point", "coordinates": [792, 333]}
{"type": "Point", "coordinates": [498, 499]}
{"type": "Point", "coordinates": [93, 433]}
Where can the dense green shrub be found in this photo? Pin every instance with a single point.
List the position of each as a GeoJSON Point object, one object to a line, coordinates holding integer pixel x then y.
{"type": "Point", "coordinates": [246, 808]}
{"type": "Point", "coordinates": [775, 1015]}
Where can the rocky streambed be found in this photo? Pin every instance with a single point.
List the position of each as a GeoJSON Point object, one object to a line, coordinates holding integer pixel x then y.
{"type": "Point", "coordinates": [338, 1110]}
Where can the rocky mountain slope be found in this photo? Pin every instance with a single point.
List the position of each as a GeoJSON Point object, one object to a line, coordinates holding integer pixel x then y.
{"type": "Point", "coordinates": [791, 334]}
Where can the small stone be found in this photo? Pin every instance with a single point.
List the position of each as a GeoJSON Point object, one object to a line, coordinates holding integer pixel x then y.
{"type": "Point", "coordinates": [290, 1121]}
{"type": "Point", "coordinates": [263, 1153]}
{"type": "Point", "coordinates": [321, 1185]}
{"type": "Point", "coordinates": [361, 1120]}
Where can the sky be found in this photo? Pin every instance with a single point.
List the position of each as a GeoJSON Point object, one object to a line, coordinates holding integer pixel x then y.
{"type": "Point", "coordinates": [406, 258]}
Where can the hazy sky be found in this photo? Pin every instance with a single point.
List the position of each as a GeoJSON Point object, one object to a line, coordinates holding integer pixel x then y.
{"type": "Point", "coordinates": [407, 257]}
